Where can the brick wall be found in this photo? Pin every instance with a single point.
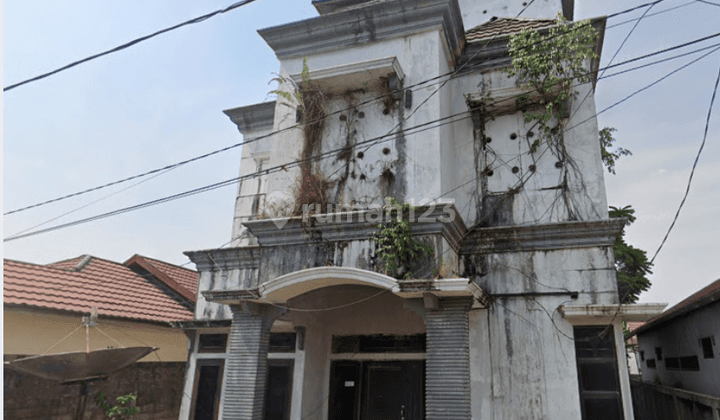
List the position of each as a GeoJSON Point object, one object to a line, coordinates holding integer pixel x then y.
{"type": "Point", "coordinates": [158, 386]}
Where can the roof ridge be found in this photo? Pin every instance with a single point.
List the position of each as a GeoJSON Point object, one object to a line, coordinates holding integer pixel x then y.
{"type": "Point", "coordinates": [166, 263]}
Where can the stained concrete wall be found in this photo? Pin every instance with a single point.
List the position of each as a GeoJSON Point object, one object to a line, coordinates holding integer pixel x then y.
{"type": "Point", "coordinates": [475, 13]}
{"type": "Point", "coordinates": [32, 332]}
{"type": "Point", "coordinates": [681, 338]}
{"type": "Point", "coordinates": [158, 387]}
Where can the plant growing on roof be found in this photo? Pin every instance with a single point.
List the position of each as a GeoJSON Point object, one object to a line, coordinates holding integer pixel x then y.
{"type": "Point", "coordinates": [548, 65]}
{"type": "Point", "coordinates": [396, 246]}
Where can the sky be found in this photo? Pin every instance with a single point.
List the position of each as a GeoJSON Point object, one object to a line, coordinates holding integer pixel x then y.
{"type": "Point", "coordinates": [161, 101]}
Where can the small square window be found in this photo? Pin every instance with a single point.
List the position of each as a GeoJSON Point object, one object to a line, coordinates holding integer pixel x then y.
{"type": "Point", "coordinates": [650, 363]}
{"type": "Point", "coordinates": [672, 363]}
{"type": "Point", "coordinates": [642, 355]}
{"type": "Point", "coordinates": [689, 363]}
{"type": "Point", "coordinates": [707, 347]}
{"type": "Point", "coordinates": [658, 353]}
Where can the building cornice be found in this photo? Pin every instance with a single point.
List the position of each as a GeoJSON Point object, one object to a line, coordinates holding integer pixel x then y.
{"type": "Point", "coordinates": [543, 237]}
{"type": "Point", "coordinates": [356, 225]}
{"type": "Point", "coordinates": [599, 314]}
{"type": "Point", "coordinates": [367, 23]}
{"type": "Point", "coordinates": [253, 117]}
{"type": "Point", "coordinates": [226, 258]}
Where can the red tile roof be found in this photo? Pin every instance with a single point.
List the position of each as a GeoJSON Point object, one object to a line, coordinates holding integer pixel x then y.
{"type": "Point", "coordinates": [113, 288]}
{"type": "Point", "coordinates": [182, 280]}
{"type": "Point", "coordinates": [505, 26]}
{"type": "Point", "coordinates": [699, 299]}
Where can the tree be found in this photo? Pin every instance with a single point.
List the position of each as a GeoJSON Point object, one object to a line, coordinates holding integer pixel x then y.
{"type": "Point", "coordinates": [631, 264]}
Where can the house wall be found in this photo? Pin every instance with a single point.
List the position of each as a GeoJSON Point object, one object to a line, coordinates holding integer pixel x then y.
{"type": "Point", "coordinates": [32, 332]}
{"type": "Point", "coordinates": [681, 338]}
{"type": "Point", "coordinates": [158, 387]}
{"type": "Point", "coordinates": [475, 13]}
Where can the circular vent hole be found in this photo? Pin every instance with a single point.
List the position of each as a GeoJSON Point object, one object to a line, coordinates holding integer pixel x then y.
{"type": "Point", "coordinates": [530, 134]}
{"type": "Point", "coordinates": [513, 136]}
{"type": "Point", "coordinates": [343, 117]}
{"type": "Point", "coordinates": [386, 151]}
{"type": "Point", "coordinates": [360, 155]}
{"type": "Point", "coordinates": [515, 169]}
{"type": "Point", "coordinates": [532, 168]}
{"type": "Point", "coordinates": [558, 164]}
{"type": "Point", "coordinates": [361, 115]}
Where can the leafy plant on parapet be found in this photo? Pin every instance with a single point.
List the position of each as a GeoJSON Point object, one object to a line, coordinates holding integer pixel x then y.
{"type": "Point", "coordinates": [631, 264]}
{"type": "Point", "coordinates": [396, 246]}
{"type": "Point", "coordinates": [122, 411]}
{"type": "Point", "coordinates": [548, 65]}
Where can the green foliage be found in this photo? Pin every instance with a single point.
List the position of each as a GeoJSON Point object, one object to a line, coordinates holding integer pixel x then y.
{"type": "Point", "coordinates": [396, 246]}
{"type": "Point", "coordinates": [296, 96]}
{"type": "Point", "coordinates": [121, 411]}
{"type": "Point", "coordinates": [631, 264]}
{"type": "Point", "coordinates": [548, 65]}
{"type": "Point", "coordinates": [609, 156]}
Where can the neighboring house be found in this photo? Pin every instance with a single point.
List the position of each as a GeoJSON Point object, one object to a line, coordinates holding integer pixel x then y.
{"type": "Point", "coordinates": [681, 347]}
{"type": "Point", "coordinates": [631, 346]}
{"type": "Point", "coordinates": [515, 315]}
{"type": "Point", "coordinates": [135, 301]}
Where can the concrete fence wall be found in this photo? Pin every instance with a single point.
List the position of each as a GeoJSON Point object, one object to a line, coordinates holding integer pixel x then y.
{"type": "Point", "coordinates": [656, 402]}
{"type": "Point", "coordinates": [158, 387]}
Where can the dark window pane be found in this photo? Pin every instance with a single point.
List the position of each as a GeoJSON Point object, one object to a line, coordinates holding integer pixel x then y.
{"type": "Point", "coordinates": [379, 343]}
{"type": "Point", "coordinates": [599, 376]}
{"type": "Point", "coordinates": [278, 392]}
{"type": "Point", "coordinates": [208, 380]}
{"type": "Point", "coordinates": [689, 363]}
{"type": "Point", "coordinates": [707, 347]}
{"type": "Point", "coordinates": [650, 363]}
{"type": "Point", "coordinates": [282, 342]}
{"type": "Point", "coordinates": [601, 409]}
{"type": "Point", "coordinates": [658, 353]}
{"type": "Point", "coordinates": [213, 343]}
{"type": "Point", "coordinates": [594, 342]}
{"type": "Point", "coordinates": [642, 356]}
{"type": "Point", "coordinates": [672, 363]}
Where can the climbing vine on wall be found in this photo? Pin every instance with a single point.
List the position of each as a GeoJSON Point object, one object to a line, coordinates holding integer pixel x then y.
{"type": "Point", "coordinates": [396, 246]}
{"type": "Point", "coordinates": [547, 65]}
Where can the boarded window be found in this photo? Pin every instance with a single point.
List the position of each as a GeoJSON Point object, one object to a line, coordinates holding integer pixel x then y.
{"type": "Point", "coordinates": [213, 343]}
{"type": "Point", "coordinates": [207, 387]}
{"type": "Point", "coordinates": [598, 376]}
{"type": "Point", "coordinates": [707, 347]}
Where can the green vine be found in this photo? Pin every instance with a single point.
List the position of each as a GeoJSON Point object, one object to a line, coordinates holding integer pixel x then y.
{"type": "Point", "coordinates": [548, 64]}
{"type": "Point", "coordinates": [121, 411]}
{"type": "Point", "coordinates": [396, 246]}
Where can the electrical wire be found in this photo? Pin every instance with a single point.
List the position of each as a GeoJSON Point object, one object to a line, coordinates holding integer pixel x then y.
{"type": "Point", "coordinates": [692, 171]}
{"type": "Point", "coordinates": [421, 127]}
{"type": "Point", "coordinates": [131, 43]}
{"type": "Point", "coordinates": [171, 166]}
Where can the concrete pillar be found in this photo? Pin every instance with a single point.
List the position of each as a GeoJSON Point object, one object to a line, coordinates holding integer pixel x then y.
{"type": "Point", "coordinates": [246, 365]}
{"type": "Point", "coordinates": [447, 365]}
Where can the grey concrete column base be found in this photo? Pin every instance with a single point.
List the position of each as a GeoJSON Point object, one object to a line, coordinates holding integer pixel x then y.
{"type": "Point", "coordinates": [447, 365]}
{"type": "Point", "coordinates": [246, 365]}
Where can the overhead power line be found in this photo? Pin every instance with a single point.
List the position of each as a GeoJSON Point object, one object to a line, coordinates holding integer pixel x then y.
{"type": "Point", "coordinates": [131, 43]}
{"type": "Point", "coordinates": [409, 131]}
{"type": "Point", "coordinates": [692, 171]}
{"type": "Point", "coordinates": [236, 145]}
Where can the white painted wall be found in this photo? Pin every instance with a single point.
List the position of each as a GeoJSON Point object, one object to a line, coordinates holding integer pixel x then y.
{"type": "Point", "coordinates": [475, 12]}
{"type": "Point", "coordinates": [682, 338]}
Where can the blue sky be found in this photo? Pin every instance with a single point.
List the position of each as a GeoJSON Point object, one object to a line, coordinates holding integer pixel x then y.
{"type": "Point", "coordinates": [161, 101]}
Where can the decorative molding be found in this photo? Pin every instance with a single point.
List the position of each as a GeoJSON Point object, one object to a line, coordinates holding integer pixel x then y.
{"type": "Point", "coordinates": [201, 324]}
{"type": "Point", "coordinates": [353, 76]}
{"type": "Point", "coordinates": [226, 258]}
{"type": "Point", "coordinates": [354, 226]}
{"type": "Point", "coordinates": [253, 117]}
{"type": "Point", "coordinates": [365, 23]}
{"type": "Point", "coordinates": [581, 234]}
{"type": "Point", "coordinates": [603, 314]}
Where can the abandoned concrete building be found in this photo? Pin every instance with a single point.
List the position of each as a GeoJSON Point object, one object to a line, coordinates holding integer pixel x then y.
{"type": "Point", "coordinates": [513, 314]}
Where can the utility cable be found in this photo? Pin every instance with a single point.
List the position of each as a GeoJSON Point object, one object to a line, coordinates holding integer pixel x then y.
{"type": "Point", "coordinates": [244, 142]}
{"type": "Point", "coordinates": [131, 43]}
{"type": "Point", "coordinates": [692, 171]}
{"type": "Point", "coordinates": [421, 127]}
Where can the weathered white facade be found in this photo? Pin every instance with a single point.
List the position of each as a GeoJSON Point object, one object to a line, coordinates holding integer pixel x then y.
{"type": "Point", "coordinates": [519, 296]}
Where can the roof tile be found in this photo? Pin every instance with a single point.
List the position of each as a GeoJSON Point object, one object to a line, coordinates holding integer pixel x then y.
{"type": "Point", "coordinates": [504, 26]}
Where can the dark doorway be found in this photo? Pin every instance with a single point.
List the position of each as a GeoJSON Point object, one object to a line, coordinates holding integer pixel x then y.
{"type": "Point", "coordinates": [278, 395]}
{"type": "Point", "coordinates": [377, 390]}
{"type": "Point", "coordinates": [208, 381]}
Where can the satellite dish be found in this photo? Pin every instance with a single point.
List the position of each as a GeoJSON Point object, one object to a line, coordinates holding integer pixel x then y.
{"type": "Point", "coordinates": [80, 365]}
